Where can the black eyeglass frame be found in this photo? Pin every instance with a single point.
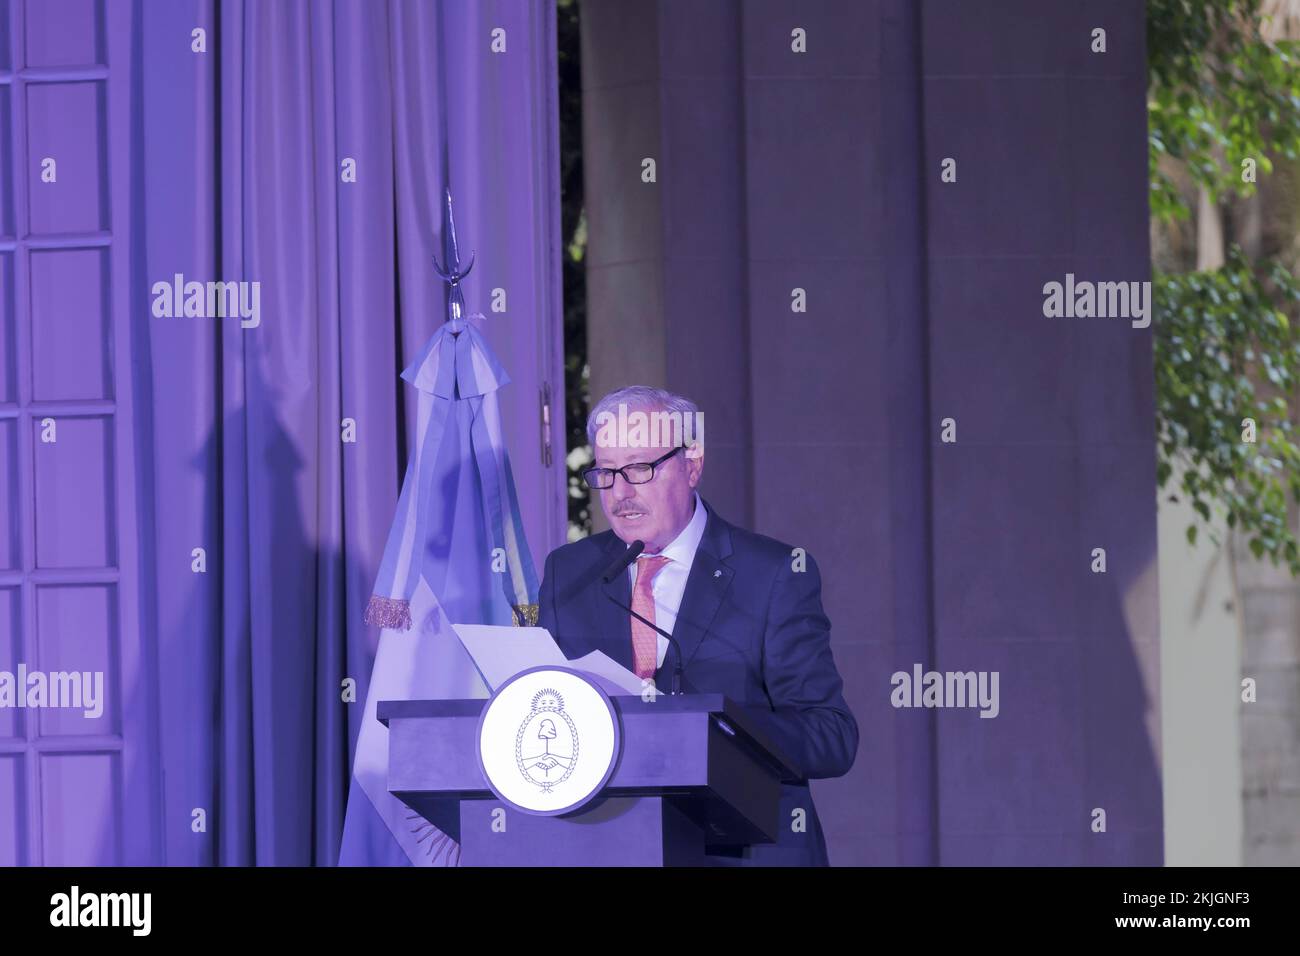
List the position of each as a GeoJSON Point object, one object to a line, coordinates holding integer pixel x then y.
{"type": "Point", "coordinates": [612, 472]}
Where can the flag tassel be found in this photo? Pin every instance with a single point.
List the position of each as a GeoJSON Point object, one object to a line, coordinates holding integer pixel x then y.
{"type": "Point", "coordinates": [389, 612]}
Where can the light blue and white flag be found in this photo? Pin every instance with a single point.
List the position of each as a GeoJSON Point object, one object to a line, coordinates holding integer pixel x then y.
{"type": "Point", "coordinates": [456, 552]}
{"type": "Point", "coordinates": [459, 438]}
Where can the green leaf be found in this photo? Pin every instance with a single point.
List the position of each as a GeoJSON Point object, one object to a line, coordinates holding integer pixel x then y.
{"type": "Point", "coordinates": [1223, 341]}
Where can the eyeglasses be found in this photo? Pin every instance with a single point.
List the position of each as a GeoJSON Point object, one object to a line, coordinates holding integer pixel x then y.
{"type": "Point", "coordinates": [636, 473]}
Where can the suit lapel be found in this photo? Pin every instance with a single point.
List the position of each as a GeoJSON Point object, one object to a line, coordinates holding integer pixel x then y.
{"type": "Point", "coordinates": [706, 586]}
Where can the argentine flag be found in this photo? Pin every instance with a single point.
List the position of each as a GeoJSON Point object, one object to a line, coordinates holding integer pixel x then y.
{"type": "Point", "coordinates": [456, 552]}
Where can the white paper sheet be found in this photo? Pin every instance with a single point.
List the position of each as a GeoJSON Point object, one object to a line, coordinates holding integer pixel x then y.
{"type": "Point", "coordinates": [500, 653]}
{"type": "Point", "coordinates": [602, 665]}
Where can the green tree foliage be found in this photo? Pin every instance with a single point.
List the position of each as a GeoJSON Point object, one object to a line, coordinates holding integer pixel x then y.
{"type": "Point", "coordinates": [1220, 334]}
{"type": "Point", "coordinates": [1225, 347]}
{"type": "Point", "coordinates": [573, 226]}
{"type": "Point", "coordinates": [1218, 94]}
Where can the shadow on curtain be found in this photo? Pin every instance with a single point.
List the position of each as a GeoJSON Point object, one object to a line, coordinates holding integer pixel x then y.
{"type": "Point", "coordinates": [244, 178]}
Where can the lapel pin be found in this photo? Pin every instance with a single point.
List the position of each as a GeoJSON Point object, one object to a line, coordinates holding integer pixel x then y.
{"type": "Point", "coordinates": [717, 574]}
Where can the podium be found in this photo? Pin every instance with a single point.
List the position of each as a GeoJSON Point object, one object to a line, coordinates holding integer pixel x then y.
{"type": "Point", "coordinates": [692, 772]}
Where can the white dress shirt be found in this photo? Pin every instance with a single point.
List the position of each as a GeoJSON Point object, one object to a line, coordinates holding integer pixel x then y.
{"type": "Point", "coordinates": [670, 583]}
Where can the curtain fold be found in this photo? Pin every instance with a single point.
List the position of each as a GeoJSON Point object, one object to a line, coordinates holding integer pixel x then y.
{"type": "Point", "coordinates": [301, 152]}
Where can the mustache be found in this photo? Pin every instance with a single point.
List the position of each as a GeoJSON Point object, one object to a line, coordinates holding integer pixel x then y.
{"type": "Point", "coordinates": [624, 509]}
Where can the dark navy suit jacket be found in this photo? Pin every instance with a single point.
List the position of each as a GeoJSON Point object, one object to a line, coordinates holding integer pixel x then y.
{"type": "Point", "coordinates": [750, 627]}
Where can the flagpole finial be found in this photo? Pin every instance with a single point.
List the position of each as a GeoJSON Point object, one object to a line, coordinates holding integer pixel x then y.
{"type": "Point", "coordinates": [450, 269]}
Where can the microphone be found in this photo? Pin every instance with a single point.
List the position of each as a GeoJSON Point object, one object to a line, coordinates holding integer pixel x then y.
{"type": "Point", "coordinates": [623, 561]}
{"type": "Point", "coordinates": [621, 564]}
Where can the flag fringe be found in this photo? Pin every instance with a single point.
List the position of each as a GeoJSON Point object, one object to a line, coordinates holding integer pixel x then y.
{"type": "Point", "coordinates": [389, 612]}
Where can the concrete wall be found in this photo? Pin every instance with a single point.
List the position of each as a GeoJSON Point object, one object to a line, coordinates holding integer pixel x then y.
{"type": "Point", "coordinates": [1200, 652]}
{"type": "Point", "coordinates": [820, 171]}
{"type": "Point", "coordinates": [1270, 726]}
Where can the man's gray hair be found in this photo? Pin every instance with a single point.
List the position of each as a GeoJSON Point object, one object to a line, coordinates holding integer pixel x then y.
{"type": "Point", "coordinates": [639, 397]}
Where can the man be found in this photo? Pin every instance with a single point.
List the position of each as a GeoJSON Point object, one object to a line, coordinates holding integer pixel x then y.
{"type": "Point", "coordinates": [745, 610]}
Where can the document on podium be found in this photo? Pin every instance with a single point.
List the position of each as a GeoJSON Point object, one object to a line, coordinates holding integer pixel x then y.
{"type": "Point", "coordinates": [500, 653]}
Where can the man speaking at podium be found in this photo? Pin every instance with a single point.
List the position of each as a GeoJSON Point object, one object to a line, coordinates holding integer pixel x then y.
{"type": "Point", "coordinates": [746, 616]}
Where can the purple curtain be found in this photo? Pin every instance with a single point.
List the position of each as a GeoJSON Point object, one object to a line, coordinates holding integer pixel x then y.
{"type": "Point", "coordinates": [246, 174]}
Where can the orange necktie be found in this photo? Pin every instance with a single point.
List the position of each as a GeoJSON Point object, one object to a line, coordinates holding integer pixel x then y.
{"type": "Point", "coordinates": [645, 642]}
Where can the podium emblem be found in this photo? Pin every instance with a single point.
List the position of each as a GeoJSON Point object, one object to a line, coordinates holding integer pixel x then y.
{"type": "Point", "coordinates": [546, 747]}
{"type": "Point", "coordinates": [548, 740]}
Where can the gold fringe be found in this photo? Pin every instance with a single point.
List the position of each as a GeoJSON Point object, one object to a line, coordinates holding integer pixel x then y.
{"type": "Point", "coordinates": [388, 612]}
{"type": "Point", "coordinates": [524, 615]}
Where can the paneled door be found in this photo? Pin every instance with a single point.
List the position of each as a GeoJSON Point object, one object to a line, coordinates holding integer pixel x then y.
{"type": "Point", "coordinates": [76, 786]}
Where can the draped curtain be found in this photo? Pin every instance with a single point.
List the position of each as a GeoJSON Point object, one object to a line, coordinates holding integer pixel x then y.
{"type": "Point", "coordinates": [304, 146]}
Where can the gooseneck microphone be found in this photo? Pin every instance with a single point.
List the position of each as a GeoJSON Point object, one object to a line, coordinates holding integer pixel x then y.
{"type": "Point", "coordinates": [617, 567]}
{"type": "Point", "coordinates": [623, 561]}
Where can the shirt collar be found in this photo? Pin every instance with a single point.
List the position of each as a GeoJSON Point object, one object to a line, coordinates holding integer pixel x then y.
{"type": "Point", "coordinates": [683, 547]}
